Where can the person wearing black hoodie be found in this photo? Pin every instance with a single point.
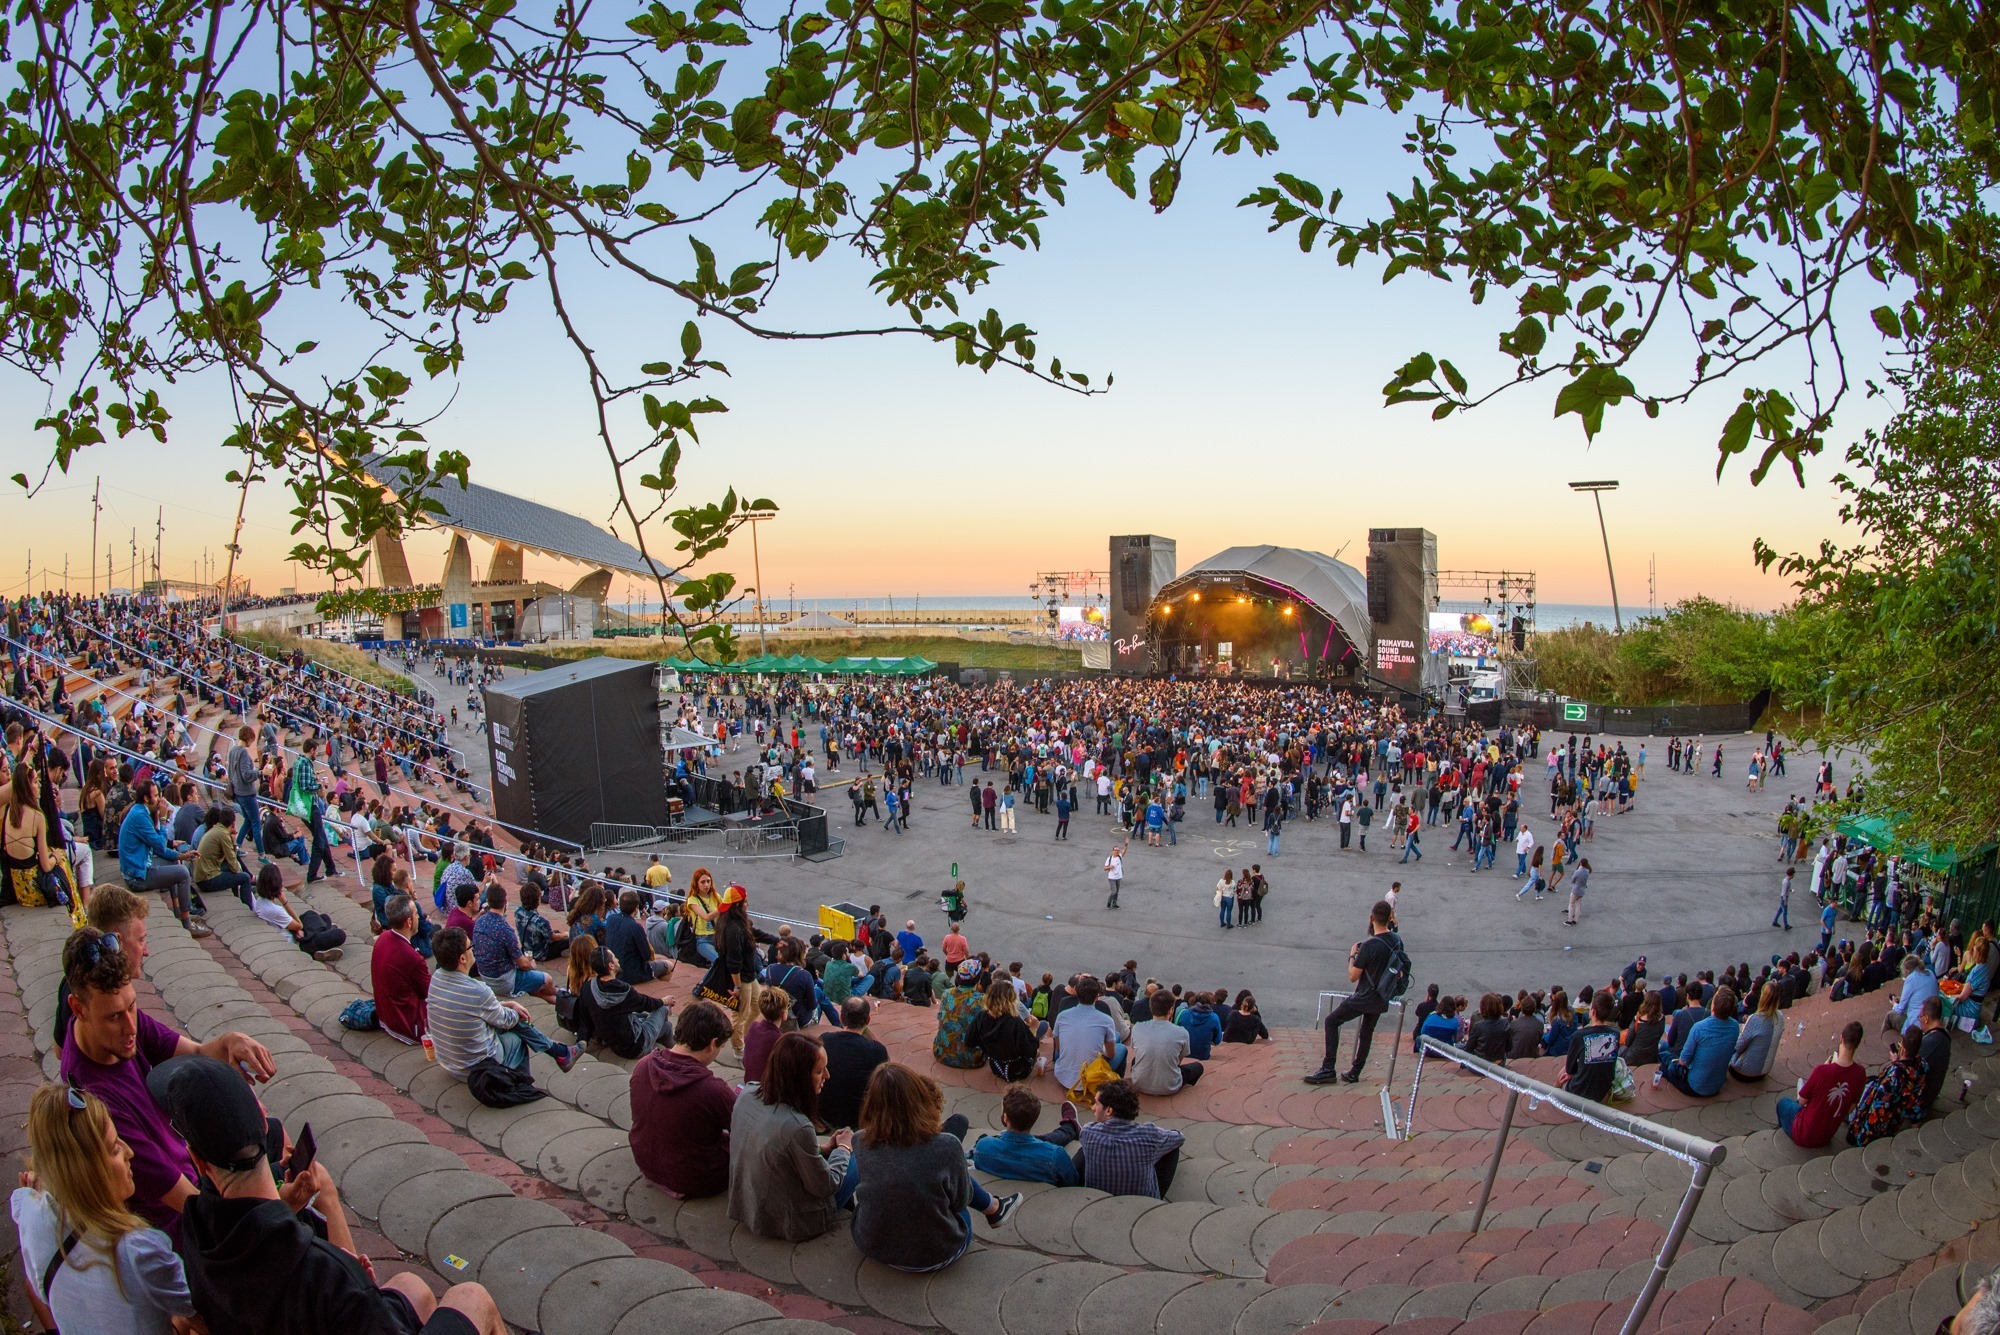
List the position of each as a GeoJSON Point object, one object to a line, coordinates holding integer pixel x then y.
{"type": "Point", "coordinates": [622, 1018]}
{"type": "Point", "coordinates": [262, 1257]}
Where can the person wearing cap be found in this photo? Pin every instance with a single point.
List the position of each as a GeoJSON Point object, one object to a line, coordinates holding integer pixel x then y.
{"type": "Point", "coordinates": [962, 1004]}
{"type": "Point", "coordinates": [469, 1024]}
{"type": "Point", "coordinates": [110, 1050]}
{"type": "Point", "coordinates": [265, 1257]}
{"type": "Point", "coordinates": [736, 946]}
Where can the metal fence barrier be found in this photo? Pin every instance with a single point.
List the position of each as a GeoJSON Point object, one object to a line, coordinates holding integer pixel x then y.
{"type": "Point", "coordinates": [1701, 1155]}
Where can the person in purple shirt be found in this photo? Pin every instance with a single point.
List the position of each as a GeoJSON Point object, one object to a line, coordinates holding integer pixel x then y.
{"type": "Point", "coordinates": [497, 952]}
{"type": "Point", "coordinates": [111, 1048]}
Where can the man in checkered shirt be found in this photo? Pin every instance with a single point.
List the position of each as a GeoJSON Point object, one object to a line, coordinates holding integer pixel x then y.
{"type": "Point", "coordinates": [1121, 1155]}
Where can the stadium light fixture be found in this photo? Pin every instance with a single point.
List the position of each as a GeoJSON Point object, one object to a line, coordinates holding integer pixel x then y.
{"type": "Point", "coordinates": [1597, 490]}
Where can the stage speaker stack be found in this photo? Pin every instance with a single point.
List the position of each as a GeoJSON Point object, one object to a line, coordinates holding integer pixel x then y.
{"type": "Point", "coordinates": [577, 745]}
{"type": "Point", "coordinates": [1141, 565]}
{"type": "Point", "coordinates": [1402, 589]}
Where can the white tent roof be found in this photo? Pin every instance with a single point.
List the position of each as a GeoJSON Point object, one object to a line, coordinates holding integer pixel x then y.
{"type": "Point", "coordinates": [1333, 587]}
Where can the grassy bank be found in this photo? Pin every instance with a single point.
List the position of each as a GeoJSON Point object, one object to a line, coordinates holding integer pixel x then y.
{"type": "Point", "coordinates": [966, 652]}
{"type": "Point", "coordinates": [341, 657]}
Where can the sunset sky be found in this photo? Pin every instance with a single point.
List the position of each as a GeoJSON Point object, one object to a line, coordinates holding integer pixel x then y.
{"type": "Point", "coordinates": [1247, 408]}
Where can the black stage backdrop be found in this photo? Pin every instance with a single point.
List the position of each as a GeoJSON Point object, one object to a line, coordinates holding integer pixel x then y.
{"type": "Point", "coordinates": [575, 745]}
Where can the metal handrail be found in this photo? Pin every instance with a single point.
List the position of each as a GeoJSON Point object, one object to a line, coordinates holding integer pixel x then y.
{"type": "Point", "coordinates": [1395, 1049]}
{"type": "Point", "coordinates": [1702, 1154]}
{"type": "Point", "coordinates": [166, 666]}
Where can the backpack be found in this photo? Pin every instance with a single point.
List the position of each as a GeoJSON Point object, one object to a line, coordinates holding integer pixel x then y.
{"type": "Point", "coordinates": [1394, 980]}
{"type": "Point", "coordinates": [571, 1015]}
{"type": "Point", "coordinates": [359, 1015]}
{"type": "Point", "coordinates": [498, 1085]}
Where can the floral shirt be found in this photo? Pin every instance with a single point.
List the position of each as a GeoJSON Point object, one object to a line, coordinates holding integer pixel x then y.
{"type": "Point", "coordinates": [534, 931]}
{"type": "Point", "coordinates": [961, 1005]}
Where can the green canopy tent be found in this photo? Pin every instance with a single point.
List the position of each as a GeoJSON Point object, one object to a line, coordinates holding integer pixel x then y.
{"type": "Point", "coordinates": [1971, 881]}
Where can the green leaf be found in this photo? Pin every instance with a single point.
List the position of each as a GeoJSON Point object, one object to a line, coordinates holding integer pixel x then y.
{"type": "Point", "coordinates": [1452, 377]}
{"type": "Point", "coordinates": [1886, 321]}
{"type": "Point", "coordinates": [690, 341]}
{"type": "Point", "coordinates": [638, 170]}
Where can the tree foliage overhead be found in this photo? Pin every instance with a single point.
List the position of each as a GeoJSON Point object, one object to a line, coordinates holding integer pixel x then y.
{"type": "Point", "coordinates": [181, 180]}
{"type": "Point", "coordinates": [1901, 626]}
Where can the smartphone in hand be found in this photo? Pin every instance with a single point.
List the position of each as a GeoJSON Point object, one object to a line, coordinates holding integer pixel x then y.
{"type": "Point", "coordinates": [304, 1150]}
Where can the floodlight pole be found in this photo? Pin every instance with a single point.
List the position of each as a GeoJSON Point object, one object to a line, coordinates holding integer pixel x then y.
{"type": "Point", "coordinates": [753, 519]}
{"type": "Point", "coordinates": [1597, 490]}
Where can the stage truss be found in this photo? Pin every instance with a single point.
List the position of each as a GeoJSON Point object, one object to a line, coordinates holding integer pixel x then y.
{"type": "Point", "coordinates": [1071, 588]}
{"type": "Point", "coordinates": [1502, 595]}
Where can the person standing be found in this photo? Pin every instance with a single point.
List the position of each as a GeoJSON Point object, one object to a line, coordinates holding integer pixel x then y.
{"type": "Point", "coordinates": [1366, 964]}
{"type": "Point", "coordinates": [1346, 819]}
{"type": "Point", "coordinates": [1114, 873]}
{"type": "Point", "coordinates": [1062, 814]}
{"type": "Point", "coordinates": [1579, 882]}
{"type": "Point", "coordinates": [1412, 828]}
{"type": "Point", "coordinates": [1274, 825]}
{"type": "Point", "coordinates": [1225, 898]}
{"type": "Point", "coordinates": [1783, 917]}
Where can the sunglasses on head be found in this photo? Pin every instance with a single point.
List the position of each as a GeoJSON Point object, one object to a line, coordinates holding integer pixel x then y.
{"type": "Point", "coordinates": [90, 952]}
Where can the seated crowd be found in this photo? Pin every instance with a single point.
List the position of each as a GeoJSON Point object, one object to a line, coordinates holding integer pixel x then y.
{"type": "Point", "coordinates": [1700, 1032]}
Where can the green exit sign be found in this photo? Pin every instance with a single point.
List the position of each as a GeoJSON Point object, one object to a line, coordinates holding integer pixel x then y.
{"type": "Point", "coordinates": [1576, 713]}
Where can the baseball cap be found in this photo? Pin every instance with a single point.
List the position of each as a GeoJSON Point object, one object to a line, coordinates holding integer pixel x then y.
{"type": "Point", "coordinates": [734, 894]}
{"type": "Point", "coordinates": [212, 1108]}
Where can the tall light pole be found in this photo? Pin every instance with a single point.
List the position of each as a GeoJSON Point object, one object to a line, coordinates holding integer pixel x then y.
{"type": "Point", "coordinates": [1597, 490]}
{"type": "Point", "coordinates": [754, 518]}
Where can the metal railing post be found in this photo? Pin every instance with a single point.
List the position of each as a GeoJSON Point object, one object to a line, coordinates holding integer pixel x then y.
{"type": "Point", "coordinates": [1397, 1050]}
{"type": "Point", "coordinates": [1493, 1164]}
{"type": "Point", "coordinates": [1668, 1250]}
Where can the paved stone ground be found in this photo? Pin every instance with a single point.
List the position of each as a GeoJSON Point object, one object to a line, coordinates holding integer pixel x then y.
{"type": "Point", "coordinates": [1688, 878]}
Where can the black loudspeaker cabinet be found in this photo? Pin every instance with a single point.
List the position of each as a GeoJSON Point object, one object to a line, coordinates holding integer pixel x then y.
{"type": "Point", "coordinates": [577, 745]}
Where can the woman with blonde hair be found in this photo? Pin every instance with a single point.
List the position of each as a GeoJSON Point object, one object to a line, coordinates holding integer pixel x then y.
{"type": "Point", "coordinates": [914, 1199]}
{"type": "Point", "coordinates": [701, 907]}
{"type": "Point", "coordinates": [91, 1264]}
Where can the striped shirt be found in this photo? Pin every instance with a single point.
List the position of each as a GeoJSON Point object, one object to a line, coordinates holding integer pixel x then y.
{"type": "Point", "coordinates": [464, 1014]}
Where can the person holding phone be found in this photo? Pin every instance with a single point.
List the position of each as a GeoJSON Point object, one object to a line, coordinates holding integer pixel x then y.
{"type": "Point", "coordinates": [264, 1256]}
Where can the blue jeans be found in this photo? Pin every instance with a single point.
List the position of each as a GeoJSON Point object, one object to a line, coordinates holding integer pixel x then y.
{"type": "Point", "coordinates": [1271, 844]}
{"type": "Point", "coordinates": [1173, 840]}
{"type": "Point", "coordinates": [236, 883]}
{"type": "Point", "coordinates": [1788, 1109]}
{"type": "Point", "coordinates": [864, 984]}
{"type": "Point", "coordinates": [826, 1008]}
{"type": "Point", "coordinates": [705, 947]}
{"type": "Point", "coordinates": [1520, 865]}
{"type": "Point", "coordinates": [843, 1195]}
{"type": "Point", "coordinates": [1784, 914]}
{"type": "Point", "coordinates": [1410, 846]}
{"type": "Point", "coordinates": [1224, 909]}
{"type": "Point", "coordinates": [518, 1042]}
{"type": "Point", "coordinates": [251, 828]}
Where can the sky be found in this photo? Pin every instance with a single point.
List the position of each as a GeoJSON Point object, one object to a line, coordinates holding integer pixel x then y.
{"type": "Point", "coordinates": [1246, 408]}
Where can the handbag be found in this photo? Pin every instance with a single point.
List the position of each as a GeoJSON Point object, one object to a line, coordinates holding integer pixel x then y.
{"type": "Point", "coordinates": [1096, 1072]}
{"type": "Point", "coordinates": [297, 800]}
{"type": "Point", "coordinates": [54, 885]}
{"type": "Point", "coordinates": [717, 985]}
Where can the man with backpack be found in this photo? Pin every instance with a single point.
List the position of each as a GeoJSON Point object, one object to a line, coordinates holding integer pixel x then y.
{"type": "Point", "coordinates": [1380, 971]}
